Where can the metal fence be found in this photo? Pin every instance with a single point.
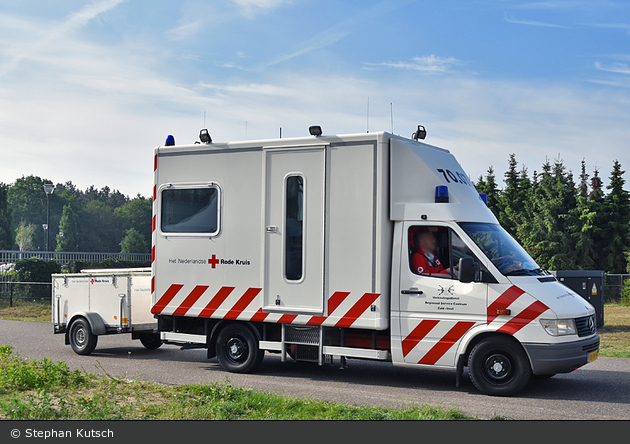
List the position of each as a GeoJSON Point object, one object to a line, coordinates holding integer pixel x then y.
{"type": "Point", "coordinates": [63, 257]}
{"type": "Point", "coordinates": [12, 292]}
{"type": "Point", "coordinates": [613, 283]}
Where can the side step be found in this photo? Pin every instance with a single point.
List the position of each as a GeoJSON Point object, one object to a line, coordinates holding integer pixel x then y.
{"type": "Point", "coordinates": [309, 346]}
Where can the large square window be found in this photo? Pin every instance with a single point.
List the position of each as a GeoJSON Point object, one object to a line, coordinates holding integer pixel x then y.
{"type": "Point", "coordinates": [190, 210]}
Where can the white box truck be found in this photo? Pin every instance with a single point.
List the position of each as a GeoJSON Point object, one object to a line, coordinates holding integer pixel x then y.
{"type": "Point", "coordinates": [361, 246]}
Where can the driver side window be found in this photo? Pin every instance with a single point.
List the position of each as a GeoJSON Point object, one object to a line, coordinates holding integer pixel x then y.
{"type": "Point", "coordinates": [435, 251]}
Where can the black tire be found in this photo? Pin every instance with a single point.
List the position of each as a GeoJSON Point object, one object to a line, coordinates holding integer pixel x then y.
{"type": "Point", "coordinates": [237, 349]}
{"type": "Point", "coordinates": [82, 340]}
{"type": "Point", "coordinates": [498, 366]}
{"type": "Point", "coordinates": [151, 341]}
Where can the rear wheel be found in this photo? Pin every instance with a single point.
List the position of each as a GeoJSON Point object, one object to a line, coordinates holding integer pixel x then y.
{"type": "Point", "coordinates": [237, 349]}
{"type": "Point", "coordinates": [82, 340]}
{"type": "Point", "coordinates": [150, 341]}
{"type": "Point", "coordinates": [499, 366]}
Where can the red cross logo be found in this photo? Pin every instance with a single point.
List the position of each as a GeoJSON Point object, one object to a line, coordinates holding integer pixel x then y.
{"type": "Point", "coordinates": [92, 281]}
{"type": "Point", "coordinates": [214, 261]}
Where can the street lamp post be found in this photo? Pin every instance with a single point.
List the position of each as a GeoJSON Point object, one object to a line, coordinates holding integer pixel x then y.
{"type": "Point", "coordinates": [48, 188]}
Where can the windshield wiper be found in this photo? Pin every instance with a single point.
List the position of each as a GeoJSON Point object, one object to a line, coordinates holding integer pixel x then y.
{"type": "Point", "coordinates": [536, 271]}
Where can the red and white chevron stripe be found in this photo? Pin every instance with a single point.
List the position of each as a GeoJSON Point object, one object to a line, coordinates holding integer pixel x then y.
{"type": "Point", "coordinates": [224, 304]}
{"type": "Point", "coordinates": [455, 331]}
{"type": "Point", "coordinates": [509, 299]}
{"type": "Point", "coordinates": [452, 331]}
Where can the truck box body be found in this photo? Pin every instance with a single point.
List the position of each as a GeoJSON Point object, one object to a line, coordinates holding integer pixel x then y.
{"type": "Point", "coordinates": [351, 200]}
{"type": "Point", "coordinates": [240, 273]}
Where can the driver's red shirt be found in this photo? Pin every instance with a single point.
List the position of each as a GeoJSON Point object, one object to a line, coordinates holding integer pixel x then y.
{"type": "Point", "coordinates": [421, 265]}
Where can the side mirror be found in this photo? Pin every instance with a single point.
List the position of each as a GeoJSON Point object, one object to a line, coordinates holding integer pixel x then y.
{"type": "Point", "coordinates": [466, 270]}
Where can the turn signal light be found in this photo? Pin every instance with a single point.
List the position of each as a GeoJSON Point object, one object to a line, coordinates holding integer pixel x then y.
{"type": "Point", "coordinates": [503, 311]}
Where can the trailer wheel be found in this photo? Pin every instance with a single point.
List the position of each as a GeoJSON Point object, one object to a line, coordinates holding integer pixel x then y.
{"type": "Point", "coordinates": [237, 349]}
{"type": "Point", "coordinates": [151, 341]}
{"type": "Point", "coordinates": [82, 340]}
{"type": "Point", "coordinates": [499, 366]}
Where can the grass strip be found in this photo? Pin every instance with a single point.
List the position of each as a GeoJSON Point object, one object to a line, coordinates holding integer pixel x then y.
{"type": "Point", "coordinates": [615, 334]}
{"type": "Point", "coordinates": [46, 390]}
{"type": "Point", "coordinates": [25, 311]}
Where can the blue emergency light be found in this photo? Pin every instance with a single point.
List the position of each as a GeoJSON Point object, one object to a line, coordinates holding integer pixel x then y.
{"type": "Point", "coordinates": [170, 141]}
{"type": "Point", "coordinates": [484, 197]}
{"type": "Point", "coordinates": [441, 194]}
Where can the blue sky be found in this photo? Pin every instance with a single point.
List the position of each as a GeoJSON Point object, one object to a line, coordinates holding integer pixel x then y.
{"type": "Point", "coordinates": [88, 88]}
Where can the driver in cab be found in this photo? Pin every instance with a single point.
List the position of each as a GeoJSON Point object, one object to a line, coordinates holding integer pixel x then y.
{"type": "Point", "coordinates": [423, 260]}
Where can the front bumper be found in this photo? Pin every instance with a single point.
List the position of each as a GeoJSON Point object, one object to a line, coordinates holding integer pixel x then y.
{"type": "Point", "coordinates": [549, 359]}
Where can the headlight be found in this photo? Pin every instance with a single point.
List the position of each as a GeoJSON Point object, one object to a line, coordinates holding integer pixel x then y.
{"type": "Point", "coordinates": [559, 327]}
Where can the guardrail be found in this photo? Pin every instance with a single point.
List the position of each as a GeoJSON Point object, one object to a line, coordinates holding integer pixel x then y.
{"type": "Point", "coordinates": [63, 257]}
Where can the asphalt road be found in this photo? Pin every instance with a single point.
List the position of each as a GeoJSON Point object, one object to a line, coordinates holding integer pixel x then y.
{"type": "Point", "coordinates": [600, 390]}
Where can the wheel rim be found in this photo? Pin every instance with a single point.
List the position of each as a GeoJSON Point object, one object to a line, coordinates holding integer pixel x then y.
{"type": "Point", "coordinates": [498, 369]}
{"type": "Point", "coordinates": [80, 338]}
{"type": "Point", "coordinates": [236, 350]}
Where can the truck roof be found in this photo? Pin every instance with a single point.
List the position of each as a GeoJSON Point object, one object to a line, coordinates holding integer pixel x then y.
{"type": "Point", "coordinates": [301, 141]}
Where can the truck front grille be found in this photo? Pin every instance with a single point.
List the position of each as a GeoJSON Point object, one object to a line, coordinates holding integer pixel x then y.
{"type": "Point", "coordinates": [591, 347]}
{"type": "Point", "coordinates": [586, 326]}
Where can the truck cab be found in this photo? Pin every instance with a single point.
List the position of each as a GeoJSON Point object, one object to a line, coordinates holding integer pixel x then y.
{"type": "Point", "coordinates": [468, 295]}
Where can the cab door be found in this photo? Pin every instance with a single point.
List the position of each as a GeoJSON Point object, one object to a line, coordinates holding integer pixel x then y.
{"type": "Point", "coordinates": [436, 310]}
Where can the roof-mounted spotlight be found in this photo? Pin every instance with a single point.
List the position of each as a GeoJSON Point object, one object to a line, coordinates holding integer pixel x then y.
{"type": "Point", "coordinates": [315, 130]}
{"type": "Point", "coordinates": [170, 140]}
{"type": "Point", "coordinates": [204, 136]}
{"type": "Point", "coordinates": [420, 133]}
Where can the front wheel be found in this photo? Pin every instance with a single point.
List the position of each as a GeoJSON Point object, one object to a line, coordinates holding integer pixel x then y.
{"type": "Point", "coordinates": [151, 341]}
{"type": "Point", "coordinates": [82, 340]}
{"type": "Point", "coordinates": [499, 367]}
{"type": "Point", "coordinates": [237, 349]}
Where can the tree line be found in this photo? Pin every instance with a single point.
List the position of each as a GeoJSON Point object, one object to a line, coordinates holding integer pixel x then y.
{"type": "Point", "coordinates": [564, 224]}
{"type": "Point", "coordinates": [89, 221]}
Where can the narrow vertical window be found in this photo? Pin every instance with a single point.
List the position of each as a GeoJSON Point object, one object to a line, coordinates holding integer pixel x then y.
{"type": "Point", "coordinates": [294, 228]}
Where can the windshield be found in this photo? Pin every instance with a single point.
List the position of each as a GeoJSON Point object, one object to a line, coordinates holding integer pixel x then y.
{"type": "Point", "coordinates": [504, 252]}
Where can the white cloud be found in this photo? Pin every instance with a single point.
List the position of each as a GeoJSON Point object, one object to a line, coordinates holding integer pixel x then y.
{"type": "Point", "coordinates": [620, 68]}
{"type": "Point", "coordinates": [252, 7]}
{"type": "Point", "coordinates": [623, 26]}
{"type": "Point", "coordinates": [562, 4]}
{"type": "Point", "coordinates": [85, 112]}
{"type": "Point", "coordinates": [431, 63]}
{"type": "Point", "coordinates": [47, 35]}
{"type": "Point", "coordinates": [510, 19]}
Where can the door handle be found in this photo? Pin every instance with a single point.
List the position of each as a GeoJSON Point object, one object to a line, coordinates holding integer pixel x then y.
{"type": "Point", "coordinates": [272, 229]}
{"type": "Point", "coordinates": [412, 291]}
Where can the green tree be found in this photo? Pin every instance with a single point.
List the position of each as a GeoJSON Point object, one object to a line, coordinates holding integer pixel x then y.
{"type": "Point", "coordinates": [133, 242]}
{"type": "Point", "coordinates": [490, 188]}
{"type": "Point", "coordinates": [6, 220]}
{"type": "Point", "coordinates": [548, 233]}
{"type": "Point", "coordinates": [28, 201]}
{"type": "Point", "coordinates": [514, 197]}
{"type": "Point", "coordinates": [68, 237]}
{"type": "Point", "coordinates": [616, 207]}
{"type": "Point", "coordinates": [135, 214]}
{"type": "Point", "coordinates": [24, 234]}
{"type": "Point", "coordinates": [97, 230]}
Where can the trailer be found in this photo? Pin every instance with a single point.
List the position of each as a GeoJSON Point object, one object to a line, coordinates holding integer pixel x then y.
{"type": "Point", "coordinates": [361, 246]}
{"type": "Point", "coordinates": [103, 302]}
